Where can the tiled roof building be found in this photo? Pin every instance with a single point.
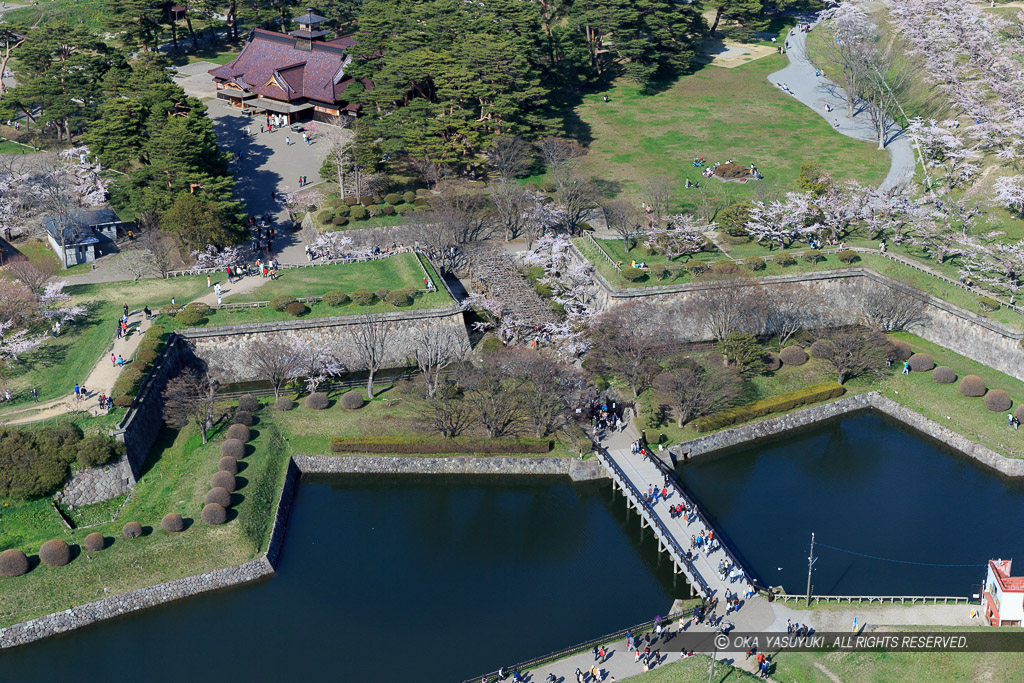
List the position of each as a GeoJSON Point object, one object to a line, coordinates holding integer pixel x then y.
{"type": "Point", "coordinates": [298, 75]}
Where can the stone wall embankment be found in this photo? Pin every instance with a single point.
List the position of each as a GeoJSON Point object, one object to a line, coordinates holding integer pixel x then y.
{"type": "Point", "coordinates": [578, 470]}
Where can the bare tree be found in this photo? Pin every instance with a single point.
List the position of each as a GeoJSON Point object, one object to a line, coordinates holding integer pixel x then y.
{"type": "Point", "coordinates": [135, 263]}
{"type": "Point", "coordinates": [549, 389]}
{"type": "Point", "coordinates": [510, 201]}
{"type": "Point", "coordinates": [626, 342]}
{"type": "Point", "coordinates": [493, 395]}
{"type": "Point", "coordinates": [462, 210]}
{"type": "Point", "coordinates": [55, 196]}
{"type": "Point", "coordinates": [446, 412]}
{"type": "Point", "coordinates": [32, 276]}
{"type": "Point", "coordinates": [889, 312]}
{"type": "Point", "coordinates": [373, 338]}
{"type": "Point", "coordinates": [576, 195]}
{"type": "Point", "coordinates": [787, 314]}
{"type": "Point", "coordinates": [625, 219]}
{"type": "Point", "coordinates": [695, 388]}
{"type": "Point", "coordinates": [657, 193]}
{"type": "Point", "coordinates": [723, 307]}
{"type": "Point", "coordinates": [274, 359]}
{"type": "Point", "coordinates": [855, 352]}
{"type": "Point", "coordinates": [341, 144]}
{"type": "Point", "coordinates": [190, 397]}
{"type": "Point", "coordinates": [560, 152]}
{"type": "Point", "coordinates": [161, 247]}
{"type": "Point", "coordinates": [509, 156]}
{"type": "Point", "coordinates": [435, 349]}
{"type": "Point", "coordinates": [318, 361]}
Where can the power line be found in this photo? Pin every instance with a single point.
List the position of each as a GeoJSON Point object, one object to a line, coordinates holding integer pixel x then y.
{"type": "Point", "coordinates": [888, 559]}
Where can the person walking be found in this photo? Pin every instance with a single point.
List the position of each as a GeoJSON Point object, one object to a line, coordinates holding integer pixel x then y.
{"type": "Point", "coordinates": [78, 390]}
{"type": "Point", "coordinates": [126, 310]}
{"type": "Point", "coordinates": [120, 361]}
{"type": "Point", "coordinates": [906, 367]}
{"type": "Point", "coordinates": [119, 330]}
{"type": "Point", "coordinates": [288, 141]}
{"type": "Point", "coordinates": [149, 313]}
{"type": "Point", "coordinates": [207, 281]}
{"type": "Point", "coordinates": [35, 395]}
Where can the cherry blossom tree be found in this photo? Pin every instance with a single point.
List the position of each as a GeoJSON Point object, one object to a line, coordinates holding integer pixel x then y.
{"type": "Point", "coordinates": [211, 257]}
{"type": "Point", "coordinates": [779, 223]}
{"type": "Point", "coordinates": [540, 216]}
{"type": "Point", "coordinates": [1010, 192]}
{"type": "Point", "coordinates": [683, 237]}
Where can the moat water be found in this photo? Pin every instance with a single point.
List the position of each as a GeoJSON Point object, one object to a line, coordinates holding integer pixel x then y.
{"type": "Point", "coordinates": [395, 579]}
{"type": "Point", "coordinates": [868, 485]}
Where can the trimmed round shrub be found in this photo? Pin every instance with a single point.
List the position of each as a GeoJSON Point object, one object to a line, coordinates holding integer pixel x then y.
{"type": "Point", "coordinates": [403, 209]}
{"type": "Point", "coordinates": [398, 298]}
{"type": "Point", "coordinates": [362, 297]}
{"type": "Point", "coordinates": [921, 362]}
{"type": "Point", "coordinates": [279, 303]}
{"type": "Point", "coordinates": [374, 211]}
{"type": "Point", "coordinates": [660, 272]}
{"type": "Point", "coordinates": [725, 267]}
{"type": "Point", "coordinates": [422, 201]}
{"type": "Point", "coordinates": [847, 256]}
{"type": "Point", "coordinates": [1019, 413]}
{"type": "Point", "coordinates": [785, 260]}
{"type": "Point", "coordinates": [123, 401]}
{"type": "Point", "coordinates": [634, 274]}
{"type": "Point", "coordinates": [229, 465]}
{"type": "Point", "coordinates": [13, 562]}
{"type": "Point", "coordinates": [342, 210]}
{"type": "Point", "coordinates": [172, 523]}
{"type": "Point", "coordinates": [170, 309]}
{"type": "Point", "coordinates": [351, 201]}
{"type": "Point", "coordinates": [997, 401]}
{"type": "Point", "coordinates": [972, 386]}
{"type": "Point", "coordinates": [317, 401]}
{"type": "Point", "coordinates": [239, 432]}
{"type": "Point", "coordinates": [297, 308]}
{"type": "Point", "coordinates": [358, 213]}
{"type": "Point", "coordinates": [900, 349]}
{"type": "Point", "coordinates": [213, 514]}
{"type": "Point", "coordinates": [943, 375]}
{"type": "Point", "coordinates": [754, 263]}
{"type": "Point", "coordinates": [283, 404]}
{"type": "Point", "coordinates": [242, 417]}
{"type": "Point", "coordinates": [812, 255]}
{"type": "Point", "coordinates": [365, 199]}
{"type": "Point", "coordinates": [199, 307]}
{"type": "Point", "coordinates": [96, 450]}
{"type": "Point", "coordinates": [987, 304]}
{"type": "Point", "coordinates": [382, 294]}
{"type": "Point", "coordinates": [819, 349]}
{"type": "Point", "coordinates": [190, 318]}
{"type": "Point", "coordinates": [147, 355]}
{"type": "Point", "coordinates": [94, 542]}
{"type": "Point", "coordinates": [131, 530]}
{"type": "Point", "coordinates": [154, 332]}
{"type": "Point", "coordinates": [218, 495]}
{"type": "Point", "coordinates": [339, 221]}
{"type": "Point", "coordinates": [352, 400]}
{"type": "Point", "coordinates": [323, 216]}
{"type": "Point", "coordinates": [387, 210]}
{"type": "Point", "coordinates": [336, 298]}
{"type": "Point", "coordinates": [224, 480]}
{"type": "Point", "coordinates": [772, 362]}
{"type": "Point", "coordinates": [409, 196]}
{"type": "Point", "coordinates": [793, 355]}
{"type": "Point", "coordinates": [249, 404]}
{"type": "Point", "coordinates": [233, 448]}
{"type": "Point", "coordinates": [150, 344]}
{"type": "Point", "coordinates": [55, 553]}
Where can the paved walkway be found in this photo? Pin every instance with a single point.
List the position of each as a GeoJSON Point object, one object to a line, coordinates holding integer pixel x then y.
{"type": "Point", "coordinates": [815, 92]}
{"type": "Point", "coordinates": [99, 381]}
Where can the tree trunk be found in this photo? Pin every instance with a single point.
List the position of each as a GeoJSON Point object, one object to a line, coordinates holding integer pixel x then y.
{"type": "Point", "coordinates": [369, 385]}
{"type": "Point", "coordinates": [714, 26]}
{"type": "Point", "coordinates": [191, 31]}
{"type": "Point", "coordinates": [174, 34]}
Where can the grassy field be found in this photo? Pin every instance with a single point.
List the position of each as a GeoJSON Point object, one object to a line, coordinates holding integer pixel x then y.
{"type": "Point", "coordinates": [38, 252]}
{"type": "Point", "coordinates": [176, 477]}
{"type": "Point", "coordinates": [11, 147]}
{"type": "Point", "coordinates": [721, 114]}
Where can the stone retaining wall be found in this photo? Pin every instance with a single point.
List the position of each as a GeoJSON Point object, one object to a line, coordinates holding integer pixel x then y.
{"type": "Point", "coordinates": [224, 347]}
{"type": "Point", "coordinates": [826, 411]}
{"type": "Point", "coordinates": [578, 470]}
{"type": "Point", "coordinates": [97, 483]}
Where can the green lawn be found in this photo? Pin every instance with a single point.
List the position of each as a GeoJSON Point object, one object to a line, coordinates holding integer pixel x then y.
{"type": "Point", "coordinates": [176, 477]}
{"type": "Point", "coordinates": [721, 114]}
{"type": "Point", "coordinates": [39, 253]}
{"type": "Point", "coordinates": [11, 147]}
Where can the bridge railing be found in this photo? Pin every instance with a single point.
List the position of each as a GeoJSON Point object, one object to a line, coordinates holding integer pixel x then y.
{"type": "Point", "coordinates": [891, 599]}
{"type": "Point", "coordinates": [636, 630]}
{"type": "Point", "coordinates": [639, 501]}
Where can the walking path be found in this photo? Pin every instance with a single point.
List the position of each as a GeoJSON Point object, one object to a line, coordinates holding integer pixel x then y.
{"type": "Point", "coordinates": [816, 91]}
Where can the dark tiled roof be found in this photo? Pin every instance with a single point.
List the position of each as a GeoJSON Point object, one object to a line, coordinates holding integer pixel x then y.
{"type": "Point", "coordinates": [312, 74]}
{"type": "Point", "coordinates": [78, 225]}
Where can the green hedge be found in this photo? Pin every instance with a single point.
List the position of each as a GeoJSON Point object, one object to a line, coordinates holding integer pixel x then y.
{"type": "Point", "coordinates": [766, 406]}
{"type": "Point", "coordinates": [436, 445]}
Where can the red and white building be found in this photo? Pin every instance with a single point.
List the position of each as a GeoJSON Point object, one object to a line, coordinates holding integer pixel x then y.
{"type": "Point", "coordinates": [1003, 596]}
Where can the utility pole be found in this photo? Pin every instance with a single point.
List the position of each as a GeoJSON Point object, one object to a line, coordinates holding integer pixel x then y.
{"type": "Point", "coordinates": [811, 559]}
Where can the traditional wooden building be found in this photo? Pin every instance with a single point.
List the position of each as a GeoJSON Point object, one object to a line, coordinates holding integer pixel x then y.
{"type": "Point", "coordinates": [296, 76]}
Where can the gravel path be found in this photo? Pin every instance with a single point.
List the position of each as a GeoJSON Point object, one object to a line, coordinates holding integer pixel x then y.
{"type": "Point", "coordinates": [815, 92]}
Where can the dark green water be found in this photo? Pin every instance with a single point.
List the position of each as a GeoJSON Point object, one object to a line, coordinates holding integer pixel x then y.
{"type": "Point", "coordinates": [864, 484]}
{"type": "Point", "coordinates": [395, 580]}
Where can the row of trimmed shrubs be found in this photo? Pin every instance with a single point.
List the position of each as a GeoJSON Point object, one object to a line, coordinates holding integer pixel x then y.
{"type": "Point", "coordinates": [232, 449]}
{"type": "Point", "coordinates": [361, 297]}
{"type": "Point", "coordinates": [128, 382]}
{"type": "Point", "coordinates": [729, 267]}
{"type": "Point", "coordinates": [766, 406]}
{"type": "Point", "coordinates": [436, 445]}
{"type": "Point", "coordinates": [339, 211]}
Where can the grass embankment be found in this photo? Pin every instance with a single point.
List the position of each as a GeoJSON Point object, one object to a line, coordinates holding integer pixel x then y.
{"type": "Point", "coordinates": [880, 264]}
{"type": "Point", "coordinates": [721, 114]}
{"type": "Point", "coordinates": [175, 479]}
